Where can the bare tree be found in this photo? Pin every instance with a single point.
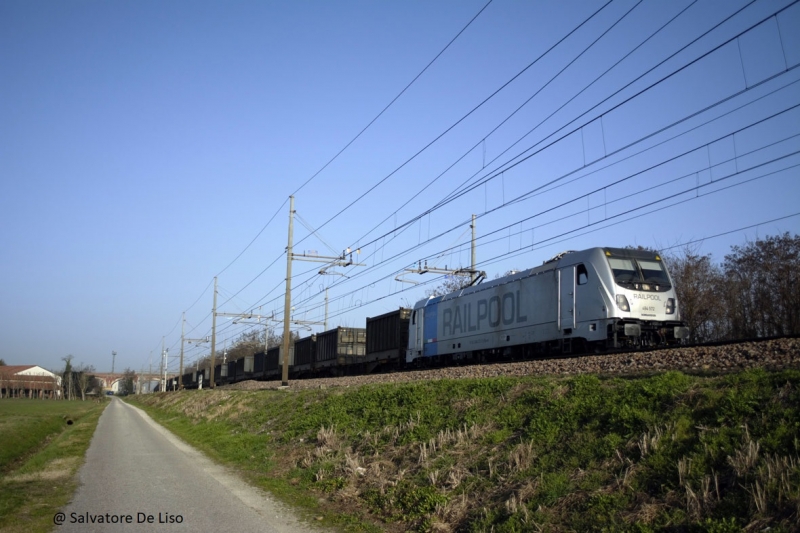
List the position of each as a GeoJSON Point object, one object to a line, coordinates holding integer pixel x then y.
{"type": "Point", "coordinates": [248, 343]}
{"type": "Point", "coordinates": [762, 289]}
{"type": "Point", "coordinates": [84, 376]}
{"type": "Point", "coordinates": [698, 283]}
{"type": "Point", "coordinates": [755, 292]}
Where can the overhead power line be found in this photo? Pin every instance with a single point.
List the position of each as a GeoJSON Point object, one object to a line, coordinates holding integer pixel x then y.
{"type": "Point", "coordinates": [364, 129]}
{"type": "Point", "coordinates": [459, 191]}
{"type": "Point", "coordinates": [460, 120]}
{"type": "Point", "coordinates": [717, 118]}
{"type": "Point", "coordinates": [393, 100]}
{"type": "Point", "coordinates": [525, 103]}
{"type": "Point", "coordinates": [642, 191]}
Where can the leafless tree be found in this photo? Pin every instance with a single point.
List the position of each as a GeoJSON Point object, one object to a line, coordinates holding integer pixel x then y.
{"type": "Point", "coordinates": [84, 376]}
{"type": "Point", "coordinates": [753, 293]}
{"type": "Point", "coordinates": [762, 289]}
{"type": "Point", "coordinates": [698, 283]}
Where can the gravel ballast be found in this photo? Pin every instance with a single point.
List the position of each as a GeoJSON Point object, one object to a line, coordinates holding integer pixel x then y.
{"type": "Point", "coordinates": [773, 354]}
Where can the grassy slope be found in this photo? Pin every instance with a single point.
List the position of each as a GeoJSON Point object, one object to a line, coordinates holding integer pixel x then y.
{"type": "Point", "coordinates": [666, 452]}
{"type": "Point", "coordinates": [39, 457]}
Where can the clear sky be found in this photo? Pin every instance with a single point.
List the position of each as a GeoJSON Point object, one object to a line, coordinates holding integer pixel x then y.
{"type": "Point", "coordinates": [148, 146]}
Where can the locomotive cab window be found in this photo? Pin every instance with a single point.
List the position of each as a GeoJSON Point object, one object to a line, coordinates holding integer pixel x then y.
{"type": "Point", "coordinates": [624, 271]}
{"type": "Point", "coordinates": [653, 272]}
{"type": "Point", "coordinates": [582, 275]}
{"type": "Point", "coordinates": [630, 272]}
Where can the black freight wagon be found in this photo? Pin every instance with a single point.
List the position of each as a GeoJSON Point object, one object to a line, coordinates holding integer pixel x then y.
{"type": "Point", "coordinates": [271, 363]}
{"type": "Point", "coordinates": [221, 374]}
{"type": "Point", "coordinates": [244, 368]}
{"type": "Point", "coordinates": [228, 372]}
{"type": "Point", "coordinates": [304, 350]}
{"type": "Point", "coordinates": [340, 347]}
{"type": "Point", "coordinates": [387, 338]}
{"type": "Point", "coordinates": [274, 362]}
{"type": "Point", "coordinates": [259, 365]}
{"type": "Point", "coordinates": [189, 381]}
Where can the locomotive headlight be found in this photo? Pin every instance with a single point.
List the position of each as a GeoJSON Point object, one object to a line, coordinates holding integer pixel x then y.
{"type": "Point", "coordinates": [670, 306]}
{"type": "Point", "coordinates": [622, 302]}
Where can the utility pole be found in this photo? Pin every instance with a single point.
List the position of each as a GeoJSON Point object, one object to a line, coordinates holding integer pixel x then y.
{"type": "Point", "coordinates": [213, 336]}
{"type": "Point", "coordinates": [166, 368]}
{"type": "Point", "coordinates": [287, 309]}
{"type": "Point", "coordinates": [334, 261]}
{"type": "Point", "coordinates": [180, 371]}
{"type": "Point", "coordinates": [161, 366]}
{"type": "Point", "coordinates": [473, 272]}
{"type": "Point", "coordinates": [164, 365]}
{"type": "Point", "coordinates": [113, 360]}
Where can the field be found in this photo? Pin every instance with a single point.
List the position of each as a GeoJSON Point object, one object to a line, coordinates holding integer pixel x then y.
{"type": "Point", "coordinates": [666, 452]}
{"type": "Point", "coordinates": [39, 456]}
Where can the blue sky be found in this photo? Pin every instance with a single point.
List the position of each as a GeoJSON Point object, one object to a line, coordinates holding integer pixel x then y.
{"type": "Point", "coordinates": [146, 147]}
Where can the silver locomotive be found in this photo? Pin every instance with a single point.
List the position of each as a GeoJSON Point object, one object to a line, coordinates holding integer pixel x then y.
{"type": "Point", "coordinates": [592, 300]}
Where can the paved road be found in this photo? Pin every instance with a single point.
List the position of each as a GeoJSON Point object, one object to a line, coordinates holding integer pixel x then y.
{"type": "Point", "coordinates": [139, 474]}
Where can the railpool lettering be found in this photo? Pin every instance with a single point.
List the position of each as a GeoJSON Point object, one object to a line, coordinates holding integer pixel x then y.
{"type": "Point", "coordinates": [488, 312]}
{"type": "Point", "coordinates": [638, 296]}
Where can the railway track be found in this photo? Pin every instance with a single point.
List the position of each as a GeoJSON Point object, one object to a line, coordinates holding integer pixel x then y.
{"type": "Point", "coordinates": [718, 357]}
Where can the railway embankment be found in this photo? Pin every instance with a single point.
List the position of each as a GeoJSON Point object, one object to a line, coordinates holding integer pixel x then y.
{"type": "Point", "coordinates": [773, 354]}
{"type": "Point", "coordinates": [649, 448]}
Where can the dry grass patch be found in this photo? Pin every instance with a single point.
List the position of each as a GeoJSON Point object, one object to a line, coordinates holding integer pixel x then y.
{"type": "Point", "coordinates": [43, 480]}
{"type": "Point", "coordinates": [54, 470]}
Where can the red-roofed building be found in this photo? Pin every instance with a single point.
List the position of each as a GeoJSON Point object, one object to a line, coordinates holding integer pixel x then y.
{"type": "Point", "coordinates": [28, 381]}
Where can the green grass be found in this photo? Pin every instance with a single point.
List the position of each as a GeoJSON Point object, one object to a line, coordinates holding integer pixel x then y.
{"type": "Point", "coordinates": [659, 453]}
{"type": "Point", "coordinates": [39, 457]}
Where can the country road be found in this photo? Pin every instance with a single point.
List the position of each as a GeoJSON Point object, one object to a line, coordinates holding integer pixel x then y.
{"type": "Point", "coordinates": [139, 477]}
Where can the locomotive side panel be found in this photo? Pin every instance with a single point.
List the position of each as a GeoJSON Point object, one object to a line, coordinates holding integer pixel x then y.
{"type": "Point", "coordinates": [521, 310]}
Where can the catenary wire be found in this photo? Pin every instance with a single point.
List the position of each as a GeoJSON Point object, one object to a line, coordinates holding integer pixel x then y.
{"type": "Point", "coordinates": [676, 136]}
{"type": "Point", "coordinates": [393, 100]}
{"type": "Point", "coordinates": [345, 148]}
{"type": "Point", "coordinates": [464, 117]}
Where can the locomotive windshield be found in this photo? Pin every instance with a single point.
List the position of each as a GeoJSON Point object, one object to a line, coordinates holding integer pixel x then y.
{"type": "Point", "coordinates": [634, 272]}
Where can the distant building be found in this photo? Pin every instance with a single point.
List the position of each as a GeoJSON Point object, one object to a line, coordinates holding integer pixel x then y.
{"type": "Point", "coordinates": [28, 381]}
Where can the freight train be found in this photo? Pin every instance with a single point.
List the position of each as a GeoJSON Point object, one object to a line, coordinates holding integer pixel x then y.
{"type": "Point", "coordinates": [588, 301]}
